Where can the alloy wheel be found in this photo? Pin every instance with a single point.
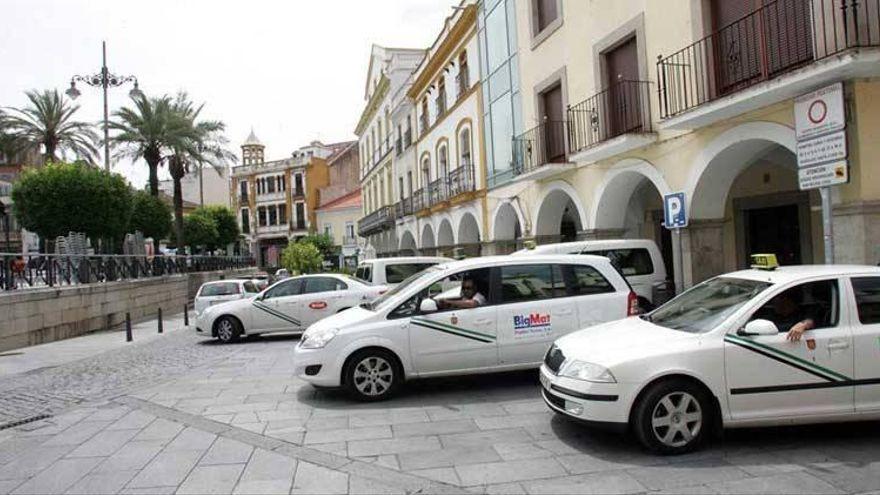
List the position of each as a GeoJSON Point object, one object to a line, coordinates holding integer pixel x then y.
{"type": "Point", "coordinates": [373, 376]}
{"type": "Point", "coordinates": [677, 419]}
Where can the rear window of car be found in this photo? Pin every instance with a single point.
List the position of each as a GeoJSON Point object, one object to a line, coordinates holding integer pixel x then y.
{"type": "Point", "coordinates": [395, 274]}
{"type": "Point", "coordinates": [630, 262]}
{"type": "Point", "coordinates": [585, 280]}
{"type": "Point", "coordinates": [225, 289]}
{"type": "Point", "coordinates": [250, 288]}
{"type": "Point", "coordinates": [867, 291]}
{"type": "Point", "coordinates": [526, 283]}
{"type": "Point", "coordinates": [364, 272]}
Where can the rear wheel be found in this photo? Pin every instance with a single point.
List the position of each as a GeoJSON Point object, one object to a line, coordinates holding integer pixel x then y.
{"type": "Point", "coordinates": [228, 329]}
{"type": "Point", "coordinates": [372, 375]}
{"type": "Point", "coordinates": [673, 417]}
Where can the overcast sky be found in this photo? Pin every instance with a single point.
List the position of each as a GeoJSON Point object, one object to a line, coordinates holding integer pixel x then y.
{"type": "Point", "coordinates": [292, 69]}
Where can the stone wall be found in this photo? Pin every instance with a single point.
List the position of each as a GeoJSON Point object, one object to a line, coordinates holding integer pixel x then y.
{"type": "Point", "coordinates": [37, 316]}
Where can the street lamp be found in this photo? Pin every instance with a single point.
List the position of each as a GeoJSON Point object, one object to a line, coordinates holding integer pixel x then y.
{"type": "Point", "coordinates": [104, 80]}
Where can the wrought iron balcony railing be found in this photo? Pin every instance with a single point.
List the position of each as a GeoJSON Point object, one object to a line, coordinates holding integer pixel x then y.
{"type": "Point", "coordinates": [621, 109]}
{"type": "Point", "coordinates": [540, 145]}
{"type": "Point", "coordinates": [775, 39]}
{"type": "Point", "coordinates": [377, 221]}
{"type": "Point", "coordinates": [420, 199]}
{"type": "Point", "coordinates": [437, 191]}
{"type": "Point", "coordinates": [461, 180]}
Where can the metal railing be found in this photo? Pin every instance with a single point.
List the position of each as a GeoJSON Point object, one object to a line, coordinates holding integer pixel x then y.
{"type": "Point", "coordinates": [420, 199]}
{"type": "Point", "coordinates": [461, 180]}
{"type": "Point", "coordinates": [54, 270]}
{"type": "Point", "coordinates": [540, 145]}
{"type": "Point", "coordinates": [404, 207]}
{"type": "Point", "coordinates": [377, 221]}
{"type": "Point", "coordinates": [438, 191]}
{"type": "Point", "coordinates": [621, 109]}
{"type": "Point", "coordinates": [776, 38]}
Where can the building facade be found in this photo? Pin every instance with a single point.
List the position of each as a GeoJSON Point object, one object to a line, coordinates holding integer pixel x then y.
{"type": "Point", "coordinates": [275, 201]}
{"type": "Point", "coordinates": [340, 204]}
{"type": "Point", "coordinates": [208, 187]}
{"type": "Point", "coordinates": [624, 102]}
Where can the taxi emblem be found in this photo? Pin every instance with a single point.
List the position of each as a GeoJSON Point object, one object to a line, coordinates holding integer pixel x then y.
{"type": "Point", "coordinates": [454, 320]}
{"type": "Point", "coordinates": [811, 344]}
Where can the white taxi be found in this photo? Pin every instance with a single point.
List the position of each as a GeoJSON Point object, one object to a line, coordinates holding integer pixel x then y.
{"type": "Point", "coordinates": [719, 355]}
{"type": "Point", "coordinates": [290, 305]}
{"type": "Point", "coordinates": [472, 316]}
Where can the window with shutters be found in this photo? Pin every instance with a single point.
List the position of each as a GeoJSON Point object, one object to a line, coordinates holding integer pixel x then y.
{"type": "Point", "coordinates": [546, 18]}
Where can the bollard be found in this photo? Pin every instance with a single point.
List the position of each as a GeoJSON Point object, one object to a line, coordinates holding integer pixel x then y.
{"type": "Point", "coordinates": [128, 327]}
{"type": "Point", "coordinates": [185, 315]}
{"type": "Point", "coordinates": [160, 320]}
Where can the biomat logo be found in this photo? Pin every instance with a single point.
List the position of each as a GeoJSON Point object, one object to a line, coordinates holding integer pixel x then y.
{"type": "Point", "coordinates": [531, 324]}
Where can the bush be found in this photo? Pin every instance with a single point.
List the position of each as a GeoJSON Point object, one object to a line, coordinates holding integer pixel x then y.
{"type": "Point", "coordinates": [199, 231]}
{"type": "Point", "coordinates": [301, 257]}
{"type": "Point", "coordinates": [150, 215]}
{"type": "Point", "coordinates": [61, 198]}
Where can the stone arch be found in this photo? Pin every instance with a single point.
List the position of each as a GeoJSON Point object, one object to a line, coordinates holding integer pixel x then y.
{"type": "Point", "coordinates": [427, 237]}
{"type": "Point", "coordinates": [468, 229]}
{"type": "Point", "coordinates": [722, 161]}
{"type": "Point", "coordinates": [445, 234]}
{"type": "Point", "coordinates": [407, 243]}
{"type": "Point", "coordinates": [560, 213]}
{"type": "Point", "coordinates": [507, 222]}
{"type": "Point", "coordinates": [620, 183]}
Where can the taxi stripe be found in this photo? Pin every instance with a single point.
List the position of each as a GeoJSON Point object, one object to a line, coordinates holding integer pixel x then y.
{"type": "Point", "coordinates": [277, 314]}
{"type": "Point", "coordinates": [454, 328]}
{"type": "Point", "coordinates": [785, 358]}
{"type": "Point", "coordinates": [438, 328]}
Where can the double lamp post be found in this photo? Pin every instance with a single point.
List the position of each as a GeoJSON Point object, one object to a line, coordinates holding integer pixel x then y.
{"type": "Point", "coordinates": [104, 80]}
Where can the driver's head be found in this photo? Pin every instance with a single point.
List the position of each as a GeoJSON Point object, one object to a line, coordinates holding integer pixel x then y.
{"type": "Point", "coordinates": [784, 304]}
{"type": "Point", "coordinates": [468, 288]}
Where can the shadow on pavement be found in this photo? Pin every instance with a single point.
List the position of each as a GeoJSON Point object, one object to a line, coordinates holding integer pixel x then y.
{"type": "Point", "coordinates": [292, 338]}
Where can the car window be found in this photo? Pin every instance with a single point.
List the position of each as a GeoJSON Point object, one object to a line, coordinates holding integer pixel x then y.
{"type": "Point", "coordinates": [250, 288]}
{"type": "Point", "coordinates": [449, 289]}
{"type": "Point", "coordinates": [394, 274]}
{"type": "Point", "coordinates": [324, 284]}
{"type": "Point", "coordinates": [867, 291]}
{"type": "Point", "coordinates": [817, 301]}
{"type": "Point", "coordinates": [222, 289]}
{"type": "Point", "coordinates": [526, 283]}
{"type": "Point", "coordinates": [364, 272]}
{"type": "Point", "coordinates": [630, 262]}
{"type": "Point", "coordinates": [585, 280]}
{"type": "Point", "coordinates": [704, 306]}
{"type": "Point", "coordinates": [289, 287]}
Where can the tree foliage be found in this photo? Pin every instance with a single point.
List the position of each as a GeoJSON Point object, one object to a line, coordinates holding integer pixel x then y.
{"type": "Point", "coordinates": [301, 257]}
{"type": "Point", "coordinates": [150, 215]}
{"type": "Point", "coordinates": [61, 198]}
{"type": "Point", "coordinates": [227, 225]}
{"type": "Point", "coordinates": [200, 231]}
{"type": "Point", "coordinates": [323, 242]}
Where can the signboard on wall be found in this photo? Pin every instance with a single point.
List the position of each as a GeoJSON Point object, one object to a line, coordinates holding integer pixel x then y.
{"type": "Point", "coordinates": [674, 212]}
{"type": "Point", "coordinates": [820, 127]}
{"type": "Point", "coordinates": [820, 112]}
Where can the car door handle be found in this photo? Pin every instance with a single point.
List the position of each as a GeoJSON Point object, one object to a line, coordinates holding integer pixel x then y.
{"type": "Point", "coordinates": [565, 312]}
{"type": "Point", "coordinates": [838, 346]}
{"type": "Point", "coordinates": [483, 322]}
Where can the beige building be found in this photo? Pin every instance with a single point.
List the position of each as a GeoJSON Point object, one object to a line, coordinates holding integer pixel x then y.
{"type": "Point", "coordinates": [340, 205]}
{"type": "Point", "coordinates": [624, 101]}
{"type": "Point", "coordinates": [208, 187]}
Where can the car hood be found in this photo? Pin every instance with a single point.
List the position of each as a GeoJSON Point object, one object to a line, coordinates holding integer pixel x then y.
{"type": "Point", "coordinates": [232, 305]}
{"type": "Point", "coordinates": [343, 320]}
{"type": "Point", "coordinates": [622, 340]}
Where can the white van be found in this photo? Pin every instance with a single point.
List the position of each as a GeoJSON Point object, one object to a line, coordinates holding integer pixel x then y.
{"type": "Point", "coordinates": [392, 271]}
{"type": "Point", "coordinates": [639, 260]}
{"type": "Point", "coordinates": [478, 315]}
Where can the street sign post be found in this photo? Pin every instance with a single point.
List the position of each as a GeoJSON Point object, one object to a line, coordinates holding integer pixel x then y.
{"type": "Point", "coordinates": [676, 218]}
{"type": "Point", "coordinates": [820, 127]}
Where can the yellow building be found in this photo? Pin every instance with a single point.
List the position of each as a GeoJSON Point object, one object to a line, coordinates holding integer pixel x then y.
{"type": "Point", "coordinates": [620, 102]}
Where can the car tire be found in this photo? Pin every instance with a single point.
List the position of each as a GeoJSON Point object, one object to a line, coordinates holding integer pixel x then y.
{"type": "Point", "coordinates": [228, 329]}
{"type": "Point", "coordinates": [673, 417]}
{"type": "Point", "coordinates": [372, 375]}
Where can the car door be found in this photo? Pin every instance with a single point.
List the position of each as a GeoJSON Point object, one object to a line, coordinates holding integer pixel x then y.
{"type": "Point", "coordinates": [276, 309]}
{"type": "Point", "coordinates": [453, 340]}
{"type": "Point", "coordinates": [866, 340]}
{"type": "Point", "coordinates": [321, 298]}
{"type": "Point", "coordinates": [595, 297]}
{"type": "Point", "coordinates": [770, 377]}
{"type": "Point", "coordinates": [533, 311]}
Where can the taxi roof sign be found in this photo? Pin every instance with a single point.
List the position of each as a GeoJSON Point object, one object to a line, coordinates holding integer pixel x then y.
{"type": "Point", "coordinates": [764, 262]}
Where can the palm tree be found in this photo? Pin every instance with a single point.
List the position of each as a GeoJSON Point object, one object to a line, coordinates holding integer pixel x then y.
{"type": "Point", "coordinates": [48, 122]}
{"type": "Point", "coordinates": [148, 131]}
{"type": "Point", "coordinates": [204, 145]}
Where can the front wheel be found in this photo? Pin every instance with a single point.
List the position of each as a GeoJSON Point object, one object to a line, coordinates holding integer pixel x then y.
{"type": "Point", "coordinates": [228, 329]}
{"type": "Point", "coordinates": [372, 375]}
{"type": "Point", "coordinates": [673, 417]}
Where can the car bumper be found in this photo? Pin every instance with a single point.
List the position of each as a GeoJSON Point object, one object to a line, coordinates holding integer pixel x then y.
{"type": "Point", "coordinates": [602, 404]}
{"type": "Point", "coordinates": [320, 367]}
{"type": "Point", "coordinates": [203, 326]}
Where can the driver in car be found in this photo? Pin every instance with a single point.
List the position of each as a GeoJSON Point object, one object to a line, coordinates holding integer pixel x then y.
{"type": "Point", "coordinates": [788, 315]}
{"type": "Point", "coordinates": [470, 297]}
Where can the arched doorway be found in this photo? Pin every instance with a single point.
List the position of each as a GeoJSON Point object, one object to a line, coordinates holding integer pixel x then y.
{"type": "Point", "coordinates": [559, 217]}
{"type": "Point", "coordinates": [508, 229]}
{"type": "Point", "coordinates": [408, 244]}
{"type": "Point", "coordinates": [445, 237]}
{"type": "Point", "coordinates": [469, 235]}
{"type": "Point", "coordinates": [428, 245]}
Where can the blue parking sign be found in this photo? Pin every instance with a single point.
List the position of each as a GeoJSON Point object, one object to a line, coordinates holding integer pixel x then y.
{"type": "Point", "coordinates": [674, 211]}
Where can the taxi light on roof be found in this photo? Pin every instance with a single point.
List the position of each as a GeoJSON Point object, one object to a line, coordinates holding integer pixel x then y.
{"type": "Point", "coordinates": [764, 262]}
{"type": "Point", "coordinates": [530, 244]}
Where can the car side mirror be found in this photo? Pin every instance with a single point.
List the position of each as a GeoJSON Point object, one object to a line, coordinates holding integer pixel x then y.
{"type": "Point", "coordinates": [428, 305]}
{"type": "Point", "coordinates": [758, 328]}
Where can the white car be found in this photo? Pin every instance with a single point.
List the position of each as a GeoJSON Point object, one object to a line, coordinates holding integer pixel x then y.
{"type": "Point", "coordinates": [527, 304]}
{"type": "Point", "coordinates": [639, 260]}
{"type": "Point", "coordinates": [718, 355]}
{"type": "Point", "coordinates": [392, 271]}
{"type": "Point", "coordinates": [221, 291]}
{"type": "Point", "coordinates": [290, 305]}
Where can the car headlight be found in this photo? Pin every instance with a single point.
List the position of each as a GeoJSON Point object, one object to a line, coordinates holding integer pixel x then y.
{"type": "Point", "coordinates": [318, 339]}
{"type": "Point", "coordinates": [589, 372]}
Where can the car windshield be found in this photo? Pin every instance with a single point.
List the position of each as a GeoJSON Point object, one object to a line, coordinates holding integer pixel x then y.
{"type": "Point", "coordinates": [378, 303]}
{"type": "Point", "coordinates": [221, 289]}
{"type": "Point", "coordinates": [703, 307]}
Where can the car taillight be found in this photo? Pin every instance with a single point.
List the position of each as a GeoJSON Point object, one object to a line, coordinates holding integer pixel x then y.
{"type": "Point", "coordinates": [632, 304]}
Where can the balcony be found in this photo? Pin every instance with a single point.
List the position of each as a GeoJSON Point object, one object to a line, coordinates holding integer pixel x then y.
{"type": "Point", "coordinates": [541, 151]}
{"type": "Point", "coordinates": [776, 52]}
{"type": "Point", "coordinates": [461, 180]}
{"type": "Point", "coordinates": [420, 199]}
{"type": "Point", "coordinates": [613, 121]}
{"type": "Point", "coordinates": [462, 82]}
{"type": "Point", "coordinates": [404, 208]}
{"type": "Point", "coordinates": [437, 191]}
{"type": "Point", "coordinates": [272, 229]}
{"type": "Point", "coordinates": [440, 103]}
{"type": "Point", "coordinates": [378, 221]}
{"type": "Point", "coordinates": [349, 241]}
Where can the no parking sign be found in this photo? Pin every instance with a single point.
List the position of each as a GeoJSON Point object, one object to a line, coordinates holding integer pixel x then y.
{"type": "Point", "coordinates": [674, 211]}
